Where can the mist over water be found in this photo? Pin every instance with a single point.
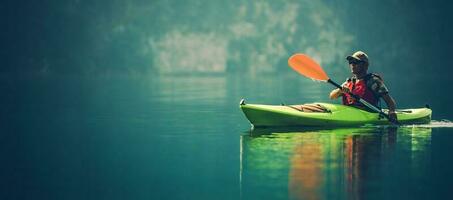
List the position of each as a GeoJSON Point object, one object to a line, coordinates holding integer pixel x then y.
{"type": "Point", "coordinates": [254, 37]}
{"type": "Point", "coordinates": [139, 99]}
{"type": "Point", "coordinates": [408, 42]}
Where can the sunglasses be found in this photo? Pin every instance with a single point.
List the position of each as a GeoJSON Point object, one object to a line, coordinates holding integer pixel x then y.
{"type": "Point", "coordinates": [356, 62]}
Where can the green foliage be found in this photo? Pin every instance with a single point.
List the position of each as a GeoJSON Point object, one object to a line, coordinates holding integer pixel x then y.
{"type": "Point", "coordinates": [108, 37]}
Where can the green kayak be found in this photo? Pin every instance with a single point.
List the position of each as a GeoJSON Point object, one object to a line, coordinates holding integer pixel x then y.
{"type": "Point", "coordinates": [325, 114]}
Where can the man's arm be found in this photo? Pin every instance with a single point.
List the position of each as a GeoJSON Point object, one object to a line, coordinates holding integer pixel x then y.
{"type": "Point", "coordinates": [335, 93]}
{"type": "Point", "coordinates": [338, 92]}
{"type": "Point", "coordinates": [391, 105]}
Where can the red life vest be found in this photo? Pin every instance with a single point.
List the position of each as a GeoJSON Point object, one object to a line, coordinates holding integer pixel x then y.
{"type": "Point", "coordinates": [360, 88]}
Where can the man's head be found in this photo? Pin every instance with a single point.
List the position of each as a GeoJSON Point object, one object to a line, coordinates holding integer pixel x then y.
{"type": "Point", "coordinates": [358, 62]}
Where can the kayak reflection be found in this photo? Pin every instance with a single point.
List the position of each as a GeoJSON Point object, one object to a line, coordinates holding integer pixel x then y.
{"type": "Point", "coordinates": [351, 163]}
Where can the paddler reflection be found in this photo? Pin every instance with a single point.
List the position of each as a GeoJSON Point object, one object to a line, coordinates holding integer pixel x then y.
{"type": "Point", "coordinates": [335, 166]}
{"type": "Point", "coordinates": [327, 164]}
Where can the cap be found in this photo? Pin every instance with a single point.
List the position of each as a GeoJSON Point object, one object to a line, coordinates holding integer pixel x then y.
{"type": "Point", "coordinates": [359, 55]}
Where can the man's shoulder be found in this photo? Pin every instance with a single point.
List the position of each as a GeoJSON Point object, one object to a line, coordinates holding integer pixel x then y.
{"type": "Point", "coordinates": [374, 77]}
{"type": "Point", "coordinates": [376, 83]}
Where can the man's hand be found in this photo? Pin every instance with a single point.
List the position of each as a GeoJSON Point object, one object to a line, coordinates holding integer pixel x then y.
{"type": "Point", "coordinates": [345, 90]}
{"type": "Point", "coordinates": [338, 92]}
{"type": "Point", "coordinates": [392, 117]}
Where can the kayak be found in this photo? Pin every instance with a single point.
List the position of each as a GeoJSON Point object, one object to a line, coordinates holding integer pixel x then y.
{"type": "Point", "coordinates": [325, 114]}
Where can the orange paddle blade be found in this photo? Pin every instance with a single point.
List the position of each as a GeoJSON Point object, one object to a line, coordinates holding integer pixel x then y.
{"type": "Point", "coordinates": [307, 67]}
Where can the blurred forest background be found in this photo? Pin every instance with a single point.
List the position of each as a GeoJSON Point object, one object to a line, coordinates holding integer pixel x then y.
{"type": "Point", "coordinates": [139, 37]}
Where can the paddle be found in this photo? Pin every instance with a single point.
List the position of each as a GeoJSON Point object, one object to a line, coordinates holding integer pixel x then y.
{"type": "Point", "coordinates": [309, 68]}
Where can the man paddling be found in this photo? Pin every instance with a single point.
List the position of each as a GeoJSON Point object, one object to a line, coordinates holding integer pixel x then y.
{"type": "Point", "coordinates": [367, 86]}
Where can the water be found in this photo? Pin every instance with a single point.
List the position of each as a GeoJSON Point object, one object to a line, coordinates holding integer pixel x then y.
{"type": "Point", "coordinates": [360, 163]}
{"type": "Point", "coordinates": [100, 101]}
{"type": "Point", "coordinates": [172, 137]}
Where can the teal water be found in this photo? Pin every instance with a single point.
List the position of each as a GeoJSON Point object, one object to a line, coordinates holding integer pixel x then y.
{"type": "Point", "coordinates": [139, 99]}
{"type": "Point", "coordinates": [360, 163]}
{"type": "Point", "coordinates": [175, 137]}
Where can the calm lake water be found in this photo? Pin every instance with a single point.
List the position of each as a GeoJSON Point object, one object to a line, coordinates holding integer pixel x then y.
{"type": "Point", "coordinates": [175, 137]}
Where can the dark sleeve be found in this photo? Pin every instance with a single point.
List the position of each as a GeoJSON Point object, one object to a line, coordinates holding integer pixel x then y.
{"type": "Point", "coordinates": [378, 86]}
